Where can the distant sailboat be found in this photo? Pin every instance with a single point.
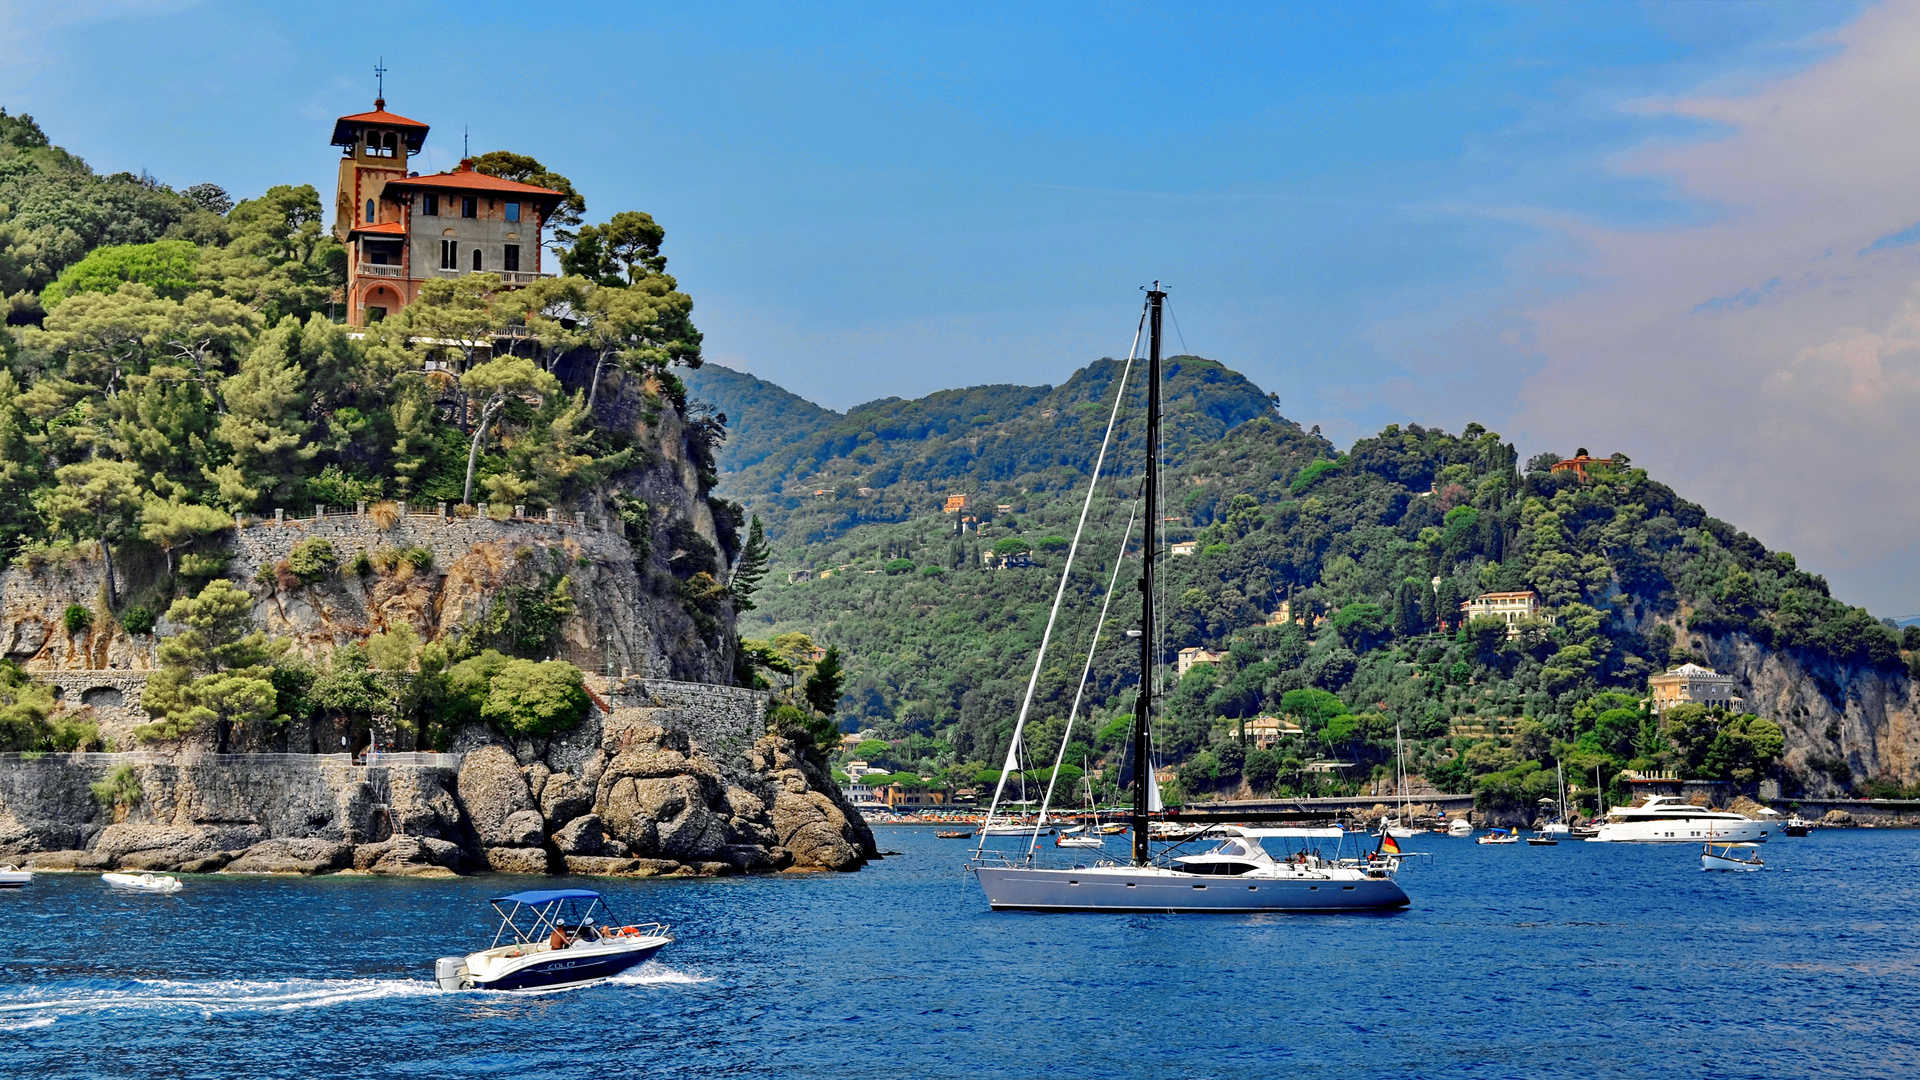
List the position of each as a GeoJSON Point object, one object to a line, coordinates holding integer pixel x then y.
{"type": "Point", "coordinates": [1238, 875]}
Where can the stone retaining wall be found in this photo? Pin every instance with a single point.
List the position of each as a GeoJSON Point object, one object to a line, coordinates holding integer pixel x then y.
{"type": "Point", "coordinates": [725, 720]}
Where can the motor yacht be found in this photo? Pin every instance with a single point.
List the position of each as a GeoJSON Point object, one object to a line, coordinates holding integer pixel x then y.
{"type": "Point", "coordinates": [12, 877]}
{"type": "Point", "coordinates": [1236, 875]}
{"type": "Point", "coordinates": [1460, 827]}
{"type": "Point", "coordinates": [1668, 819]}
{"type": "Point", "coordinates": [1797, 826]}
{"type": "Point", "coordinates": [159, 884]}
{"type": "Point", "coordinates": [569, 940]}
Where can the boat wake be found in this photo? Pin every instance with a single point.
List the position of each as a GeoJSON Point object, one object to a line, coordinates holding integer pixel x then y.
{"type": "Point", "coordinates": [41, 1006]}
{"type": "Point", "coordinates": [657, 974]}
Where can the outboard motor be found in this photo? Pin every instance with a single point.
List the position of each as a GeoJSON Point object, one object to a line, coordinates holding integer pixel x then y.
{"type": "Point", "coordinates": [451, 973]}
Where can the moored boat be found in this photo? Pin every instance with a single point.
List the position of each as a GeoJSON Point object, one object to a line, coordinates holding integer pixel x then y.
{"type": "Point", "coordinates": [12, 877]}
{"type": "Point", "coordinates": [1797, 826]}
{"type": "Point", "coordinates": [953, 834]}
{"type": "Point", "coordinates": [1499, 836]}
{"type": "Point", "coordinates": [158, 884]}
{"type": "Point", "coordinates": [1460, 827]}
{"type": "Point", "coordinates": [568, 942]}
{"type": "Point", "coordinates": [1730, 857]}
{"type": "Point", "coordinates": [1669, 819]}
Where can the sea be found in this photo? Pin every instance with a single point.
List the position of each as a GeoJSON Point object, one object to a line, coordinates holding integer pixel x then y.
{"type": "Point", "coordinates": [1582, 960]}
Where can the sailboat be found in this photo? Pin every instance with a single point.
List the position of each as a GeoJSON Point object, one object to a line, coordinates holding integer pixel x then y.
{"type": "Point", "coordinates": [1238, 874]}
{"type": "Point", "coordinates": [1558, 827]}
{"type": "Point", "coordinates": [1399, 825]}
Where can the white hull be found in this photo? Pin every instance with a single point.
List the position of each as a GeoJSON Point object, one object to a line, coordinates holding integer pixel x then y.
{"type": "Point", "coordinates": [158, 885]}
{"type": "Point", "coordinates": [1079, 842]}
{"type": "Point", "coordinates": [14, 878]}
{"type": "Point", "coordinates": [1720, 862]}
{"type": "Point", "coordinates": [1681, 831]}
{"type": "Point", "coordinates": [1129, 888]}
{"type": "Point", "coordinates": [1460, 827]}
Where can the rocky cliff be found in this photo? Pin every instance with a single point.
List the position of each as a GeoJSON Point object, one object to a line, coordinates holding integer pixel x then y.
{"type": "Point", "coordinates": [661, 779]}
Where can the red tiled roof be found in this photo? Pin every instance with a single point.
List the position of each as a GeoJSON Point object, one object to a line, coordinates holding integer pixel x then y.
{"type": "Point", "coordinates": [385, 228]}
{"type": "Point", "coordinates": [345, 127]}
{"type": "Point", "coordinates": [466, 179]}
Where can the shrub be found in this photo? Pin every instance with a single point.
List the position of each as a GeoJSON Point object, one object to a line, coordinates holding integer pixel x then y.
{"type": "Point", "coordinates": [265, 576]}
{"type": "Point", "coordinates": [312, 559]}
{"type": "Point", "coordinates": [362, 565]}
{"type": "Point", "coordinates": [384, 514]}
{"type": "Point", "coordinates": [899, 566]}
{"type": "Point", "coordinates": [77, 619]}
{"type": "Point", "coordinates": [528, 698]}
{"type": "Point", "coordinates": [137, 619]}
{"type": "Point", "coordinates": [210, 565]}
{"type": "Point", "coordinates": [118, 788]}
{"type": "Point", "coordinates": [421, 559]}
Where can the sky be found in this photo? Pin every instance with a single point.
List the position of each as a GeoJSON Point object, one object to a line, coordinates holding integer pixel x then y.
{"type": "Point", "coordinates": [1686, 232]}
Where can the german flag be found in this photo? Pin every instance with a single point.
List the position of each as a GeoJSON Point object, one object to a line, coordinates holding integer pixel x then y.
{"type": "Point", "coordinates": [1387, 845]}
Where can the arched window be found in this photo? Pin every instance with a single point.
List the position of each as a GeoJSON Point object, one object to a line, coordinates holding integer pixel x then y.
{"type": "Point", "coordinates": [476, 258]}
{"type": "Point", "coordinates": [369, 211]}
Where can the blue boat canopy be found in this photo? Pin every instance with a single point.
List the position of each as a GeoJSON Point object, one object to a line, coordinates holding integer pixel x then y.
{"type": "Point", "coordinates": [546, 896]}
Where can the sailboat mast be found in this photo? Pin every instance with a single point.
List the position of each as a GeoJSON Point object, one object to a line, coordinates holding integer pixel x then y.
{"type": "Point", "coordinates": [1143, 707]}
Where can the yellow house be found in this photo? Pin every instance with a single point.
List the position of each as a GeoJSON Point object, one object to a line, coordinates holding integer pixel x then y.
{"type": "Point", "coordinates": [1692, 684]}
{"type": "Point", "coordinates": [1508, 607]}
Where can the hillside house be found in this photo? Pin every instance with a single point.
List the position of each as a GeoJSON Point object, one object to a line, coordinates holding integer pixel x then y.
{"type": "Point", "coordinates": [957, 503]}
{"type": "Point", "coordinates": [1187, 657]}
{"type": "Point", "coordinates": [1511, 608]}
{"type": "Point", "coordinates": [402, 230]}
{"type": "Point", "coordinates": [1003, 508]}
{"type": "Point", "coordinates": [1184, 547]}
{"type": "Point", "coordinates": [1579, 463]}
{"type": "Point", "coordinates": [799, 576]}
{"type": "Point", "coordinates": [1692, 684]}
{"type": "Point", "coordinates": [1266, 731]}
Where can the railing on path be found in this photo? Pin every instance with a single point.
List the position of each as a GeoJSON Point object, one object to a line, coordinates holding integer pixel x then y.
{"type": "Point", "coordinates": [156, 757]}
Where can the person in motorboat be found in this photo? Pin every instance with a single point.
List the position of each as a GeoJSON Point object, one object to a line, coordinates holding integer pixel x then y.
{"type": "Point", "coordinates": [522, 957]}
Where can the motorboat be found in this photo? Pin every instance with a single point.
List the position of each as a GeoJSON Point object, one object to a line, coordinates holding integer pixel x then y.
{"type": "Point", "coordinates": [1668, 819]}
{"type": "Point", "coordinates": [1460, 827]}
{"type": "Point", "coordinates": [569, 940]}
{"type": "Point", "coordinates": [1237, 875]}
{"type": "Point", "coordinates": [12, 877]}
{"type": "Point", "coordinates": [1731, 857]}
{"type": "Point", "coordinates": [1079, 841]}
{"type": "Point", "coordinates": [1797, 826]}
{"type": "Point", "coordinates": [1583, 832]}
{"type": "Point", "coordinates": [1499, 836]}
{"type": "Point", "coordinates": [1114, 829]}
{"type": "Point", "coordinates": [1543, 839]}
{"type": "Point", "coordinates": [159, 884]}
{"type": "Point", "coordinates": [953, 834]}
{"type": "Point", "coordinates": [1011, 830]}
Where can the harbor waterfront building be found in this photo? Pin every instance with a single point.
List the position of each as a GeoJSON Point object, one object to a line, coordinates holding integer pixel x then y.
{"type": "Point", "coordinates": [1511, 608]}
{"type": "Point", "coordinates": [403, 230]}
{"type": "Point", "coordinates": [1692, 684]}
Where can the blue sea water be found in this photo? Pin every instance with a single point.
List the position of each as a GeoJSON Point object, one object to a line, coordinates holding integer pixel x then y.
{"type": "Point", "coordinates": [1583, 960]}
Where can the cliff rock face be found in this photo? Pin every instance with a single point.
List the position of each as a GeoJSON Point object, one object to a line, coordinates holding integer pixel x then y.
{"type": "Point", "coordinates": [630, 792]}
{"type": "Point", "coordinates": [1865, 716]}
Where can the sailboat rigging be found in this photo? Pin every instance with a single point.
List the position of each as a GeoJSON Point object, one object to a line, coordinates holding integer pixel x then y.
{"type": "Point", "coordinates": [1238, 874]}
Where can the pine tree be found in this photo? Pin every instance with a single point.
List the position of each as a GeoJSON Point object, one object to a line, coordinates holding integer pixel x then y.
{"type": "Point", "coordinates": [263, 426]}
{"type": "Point", "coordinates": [751, 567]}
{"type": "Point", "coordinates": [214, 671]}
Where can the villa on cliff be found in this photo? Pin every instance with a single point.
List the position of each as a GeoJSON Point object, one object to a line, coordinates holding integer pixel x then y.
{"type": "Point", "coordinates": [403, 230]}
{"type": "Point", "coordinates": [1691, 684]}
{"type": "Point", "coordinates": [1511, 608]}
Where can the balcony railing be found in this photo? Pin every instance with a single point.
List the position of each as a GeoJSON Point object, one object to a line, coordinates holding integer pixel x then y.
{"type": "Point", "coordinates": [392, 270]}
{"type": "Point", "coordinates": [507, 277]}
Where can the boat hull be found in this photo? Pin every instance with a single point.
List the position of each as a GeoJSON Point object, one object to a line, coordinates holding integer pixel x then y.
{"type": "Point", "coordinates": [1120, 889]}
{"type": "Point", "coordinates": [1717, 862]}
{"type": "Point", "coordinates": [571, 967]}
{"type": "Point", "coordinates": [1681, 832]}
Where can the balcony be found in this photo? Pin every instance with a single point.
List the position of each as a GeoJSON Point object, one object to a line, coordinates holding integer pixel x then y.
{"type": "Point", "coordinates": [384, 270]}
{"type": "Point", "coordinates": [507, 277]}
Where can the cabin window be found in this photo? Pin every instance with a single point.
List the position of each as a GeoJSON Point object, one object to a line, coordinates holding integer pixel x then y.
{"type": "Point", "coordinates": [510, 256]}
{"type": "Point", "coordinates": [513, 211]}
{"type": "Point", "coordinates": [449, 254]}
{"type": "Point", "coordinates": [429, 205]}
{"type": "Point", "coordinates": [469, 206]}
{"type": "Point", "coordinates": [476, 260]}
{"type": "Point", "coordinates": [369, 211]}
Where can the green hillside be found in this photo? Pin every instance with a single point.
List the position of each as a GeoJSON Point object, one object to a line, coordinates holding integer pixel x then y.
{"type": "Point", "coordinates": [1375, 548]}
{"type": "Point", "coordinates": [761, 417]}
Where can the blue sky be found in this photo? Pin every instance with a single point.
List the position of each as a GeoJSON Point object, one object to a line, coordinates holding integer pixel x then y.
{"type": "Point", "coordinates": [1432, 212]}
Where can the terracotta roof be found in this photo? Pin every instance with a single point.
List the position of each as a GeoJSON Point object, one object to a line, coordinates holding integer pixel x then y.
{"type": "Point", "coordinates": [385, 228]}
{"type": "Point", "coordinates": [466, 179]}
{"type": "Point", "coordinates": [345, 128]}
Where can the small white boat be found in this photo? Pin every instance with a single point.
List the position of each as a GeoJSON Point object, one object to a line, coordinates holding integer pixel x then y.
{"type": "Point", "coordinates": [1460, 827]}
{"type": "Point", "coordinates": [1499, 836]}
{"type": "Point", "coordinates": [144, 883]}
{"type": "Point", "coordinates": [1079, 841]}
{"type": "Point", "coordinates": [1012, 830]}
{"type": "Point", "coordinates": [1730, 857]}
{"type": "Point", "coordinates": [1392, 827]}
{"type": "Point", "coordinates": [570, 941]}
{"type": "Point", "coordinates": [12, 877]}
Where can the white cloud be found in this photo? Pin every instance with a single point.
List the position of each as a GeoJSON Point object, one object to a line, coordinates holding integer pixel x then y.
{"type": "Point", "coordinates": [1766, 357]}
